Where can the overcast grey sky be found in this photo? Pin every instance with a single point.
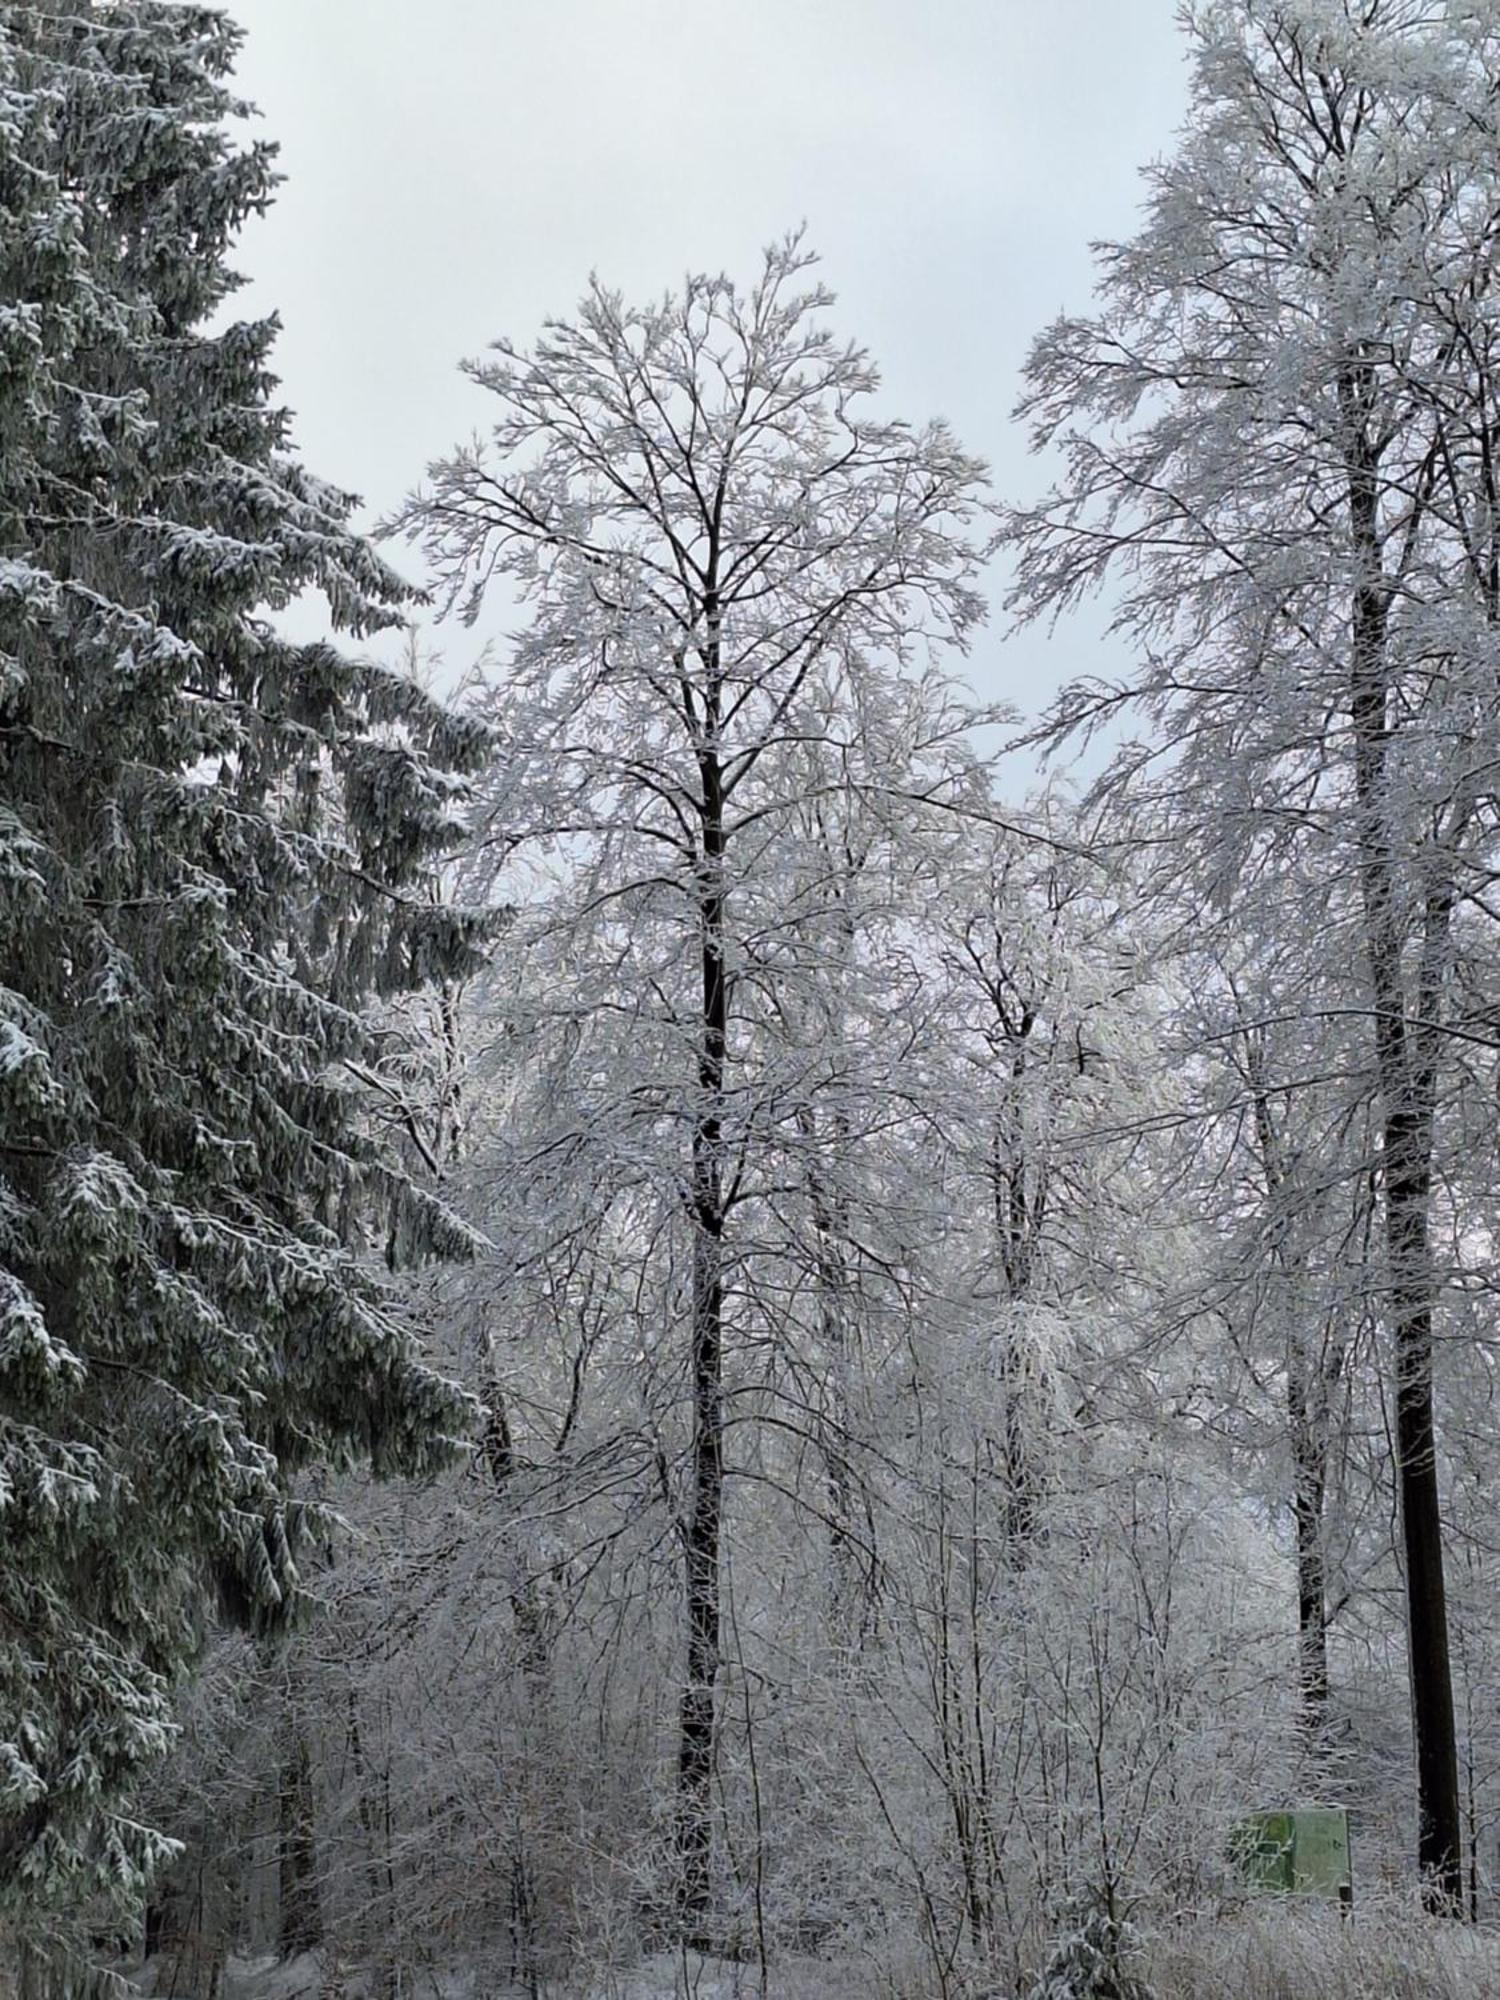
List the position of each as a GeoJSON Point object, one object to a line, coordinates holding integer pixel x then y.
{"type": "Point", "coordinates": [457, 168]}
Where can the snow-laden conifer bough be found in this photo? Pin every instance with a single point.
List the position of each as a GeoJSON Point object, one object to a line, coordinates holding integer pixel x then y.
{"type": "Point", "coordinates": [210, 839]}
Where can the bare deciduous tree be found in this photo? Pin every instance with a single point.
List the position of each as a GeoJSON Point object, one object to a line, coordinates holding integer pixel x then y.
{"type": "Point", "coordinates": [1278, 435]}
{"type": "Point", "coordinates": [710, 530]}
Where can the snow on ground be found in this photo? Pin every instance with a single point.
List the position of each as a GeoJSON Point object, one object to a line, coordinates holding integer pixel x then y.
{"type": "Point", "coordinates": [663, 1976]}
{"type": "Point", "coordinates": [1282, 1954]}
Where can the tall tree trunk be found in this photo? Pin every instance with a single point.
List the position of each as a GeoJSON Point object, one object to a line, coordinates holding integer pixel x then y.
{"type": "Point", "coordinates": [379, 1912]}
{"type": "Point", "coordinates": [1307, 1384]}
{"type": "Point", "coordinates": [852, 1568]}
{"type": "Point", "coordinates": [300, 1926]}
{"type": "Point", "coordinates": [1407, 1187]}
{"type": "Point", "coordinates": [1309, 1483]}
{"type": "Point", "coordinates": [535, 1641]}
{"type": "Point", "coordinates": [1018, 1189]}
{"type": "Point", "coordinates": [702, 1522]}
{"type": "Point", "coordinates": [1022, 1479]}
{"type": "Point", "coordinates": [1406, 1070]}
{"type": "Point", "coordinates": [527, 1609]}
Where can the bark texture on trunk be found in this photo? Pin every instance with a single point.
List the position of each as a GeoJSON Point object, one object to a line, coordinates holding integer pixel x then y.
{"type": "Point", "coordinates": [703, 1515]}
{"type": "Point", "coordinates": [1309, 1379]}
{"type": "Point", "coordinates": [1408, 1179]}
{"type": "Point", "coordinates": [527, 1609]}
{"type": "Point", "coordinates": [380, 1904]}
{"type": "Point", "coordinates": [1309, 1483]}
{"type": "Point", "coordinates": [300, 1916]}
{"type": "Point", "coordinates": [1406, 1072]}
{"type": "Point", "coordinates": [853, 1580]}
{"type": "Point", "coordinates": [1018, 1188]}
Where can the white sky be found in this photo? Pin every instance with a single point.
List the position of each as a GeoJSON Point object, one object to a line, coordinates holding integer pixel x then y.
{"type": "Point", "coordinates": [457, 168]}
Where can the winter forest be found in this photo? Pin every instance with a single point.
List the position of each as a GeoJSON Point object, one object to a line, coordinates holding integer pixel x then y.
{"type": "Point", "coordinates": [658, 1335]}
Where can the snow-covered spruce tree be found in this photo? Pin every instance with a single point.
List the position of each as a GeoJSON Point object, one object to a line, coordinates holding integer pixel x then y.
{"type": "Point", "coordinates": [1085, 1962]}
{"type": "Point", "coordinates": [1278, 435]}
{"type": "Point", "coordinates": [726, 557]}
{"type": "Point", "coordinates": [207, 839]}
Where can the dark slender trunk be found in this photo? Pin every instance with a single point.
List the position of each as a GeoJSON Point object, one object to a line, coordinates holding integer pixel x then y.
{"type": "Point", "coordinates": [1407, 1186]}
{"type": "Point", "coordinates": [1407, 1089]}
{"type": "Point", "coordinates": [301, 1907]}
{"type": "Point", "coordinates": [852, 1580]}
{"type": "Point", "coordinates": [1019, 1194]}
{"type": "Point", "coordinates": [534, 1641]}
{"type": "Point", "coordinates": [378, 1914]}
{"type": "Point", "coordinates": [702, 1519]}
{"type": "Point", "coordinates": [527, 1610]}
{"type": "Point", "coordinates": [1021, 1477]}
{"type": "Point", "coordinates": [1309, 1480]}
{"type": "Point", "coordinates": [1307, 1397]}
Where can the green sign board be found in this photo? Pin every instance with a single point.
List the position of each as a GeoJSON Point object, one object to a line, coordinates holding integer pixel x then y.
{"type": "Point", "coordinates": [1302, 1853]}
